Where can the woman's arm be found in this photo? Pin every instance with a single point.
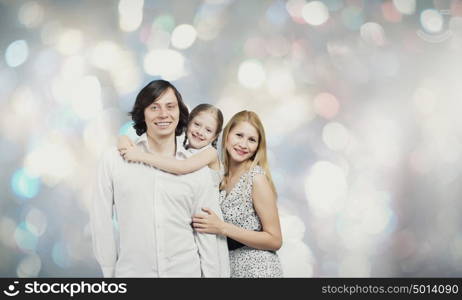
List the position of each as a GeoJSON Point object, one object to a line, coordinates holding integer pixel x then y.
{"type": "Point", "coordinates": [171, 164]}
{"type": "Point", "coordinates": [264, 200]}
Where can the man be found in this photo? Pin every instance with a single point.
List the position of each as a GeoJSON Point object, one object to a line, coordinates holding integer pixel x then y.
{"type": "Point", "coordinates": [154, 209]}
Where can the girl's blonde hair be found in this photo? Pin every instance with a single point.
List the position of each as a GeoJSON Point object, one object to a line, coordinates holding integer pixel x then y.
{"type": "Point", "coordinates": [260, 157]}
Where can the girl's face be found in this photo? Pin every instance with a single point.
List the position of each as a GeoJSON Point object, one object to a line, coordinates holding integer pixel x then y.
{"type": "Point", "coordinates": [202, 130]}
{"type": "Point", "coordinates": [242, 142]}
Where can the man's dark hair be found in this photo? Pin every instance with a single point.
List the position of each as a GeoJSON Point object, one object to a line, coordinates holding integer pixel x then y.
{"type": "Point", "coordinates": [150, 94]}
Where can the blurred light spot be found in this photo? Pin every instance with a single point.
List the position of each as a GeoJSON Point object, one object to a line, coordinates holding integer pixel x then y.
{"type": "Point", "coordinates": [295, 8]}
{"type": "Point", "coordinates": [125, 72]}
{"type": "Point", "coordinates": [277, 46]}
{"type": "Point", "coordinates": [431, 20]}
{"type": "Point", "coordinates": [339, 49]}
{"type": "Point", "coordinates": [296, 257]}
{"type": "Point", "coordinates": [383, 138]}
{"type": "Point", "coordinates": [128, 130]}
{"type": "Point", "coordinates": [294, 111]}
{"type": "Point", "coordinates": [97, 134]}
{"type": "Point", "coordinates": [209, 20]}
{"type": "Point", "coordinates": [16, 53]}
{"type": "Point", "coordinates": [405, 243]}
{"type": "Point", "coordinates": [326, 188]}
{"type": "Point", "coordinates": [315, 13]}
{"type": "Point", "coordinates": [406, 7]}
{"type": "Point", "coordinates": [25, 239]}
{"type": "Point", "coordinates": [435, 38]}
{"type": "Point", "coordinates": [82, 93]}
{"type": "Point", "coordinates": [455, 23]}
{"type": "Point", "coordinates": [47, 63]}
{"type": "Point", "coordinates": [335, 136]}
{"type": "Point", "coordinates": [373, 34]}
{"type": "Point", "coordinates": [164, 23]}
{"type": "Point", "coordinates": [128, 81]}
{"type": "Point", "coordinates": [334, 5]}
{"type": "Point", "coordinates": [52, 161]}
{"type": "Point", "coordinates": [255, 47]}
{"type": "Point", "coordinates": [24, 103]}
{"type": "Point", "coordinates": [158, 39]}
{"type": "Point", "coordinates": [251, 74]}
{"type": "Point", "coordinates": [50, 32]}
{"type": "Point", "coordinates": [350, 234]}
{"type": "Point", "coordinates": [277, 13]}
{"type": "Point", "coordinates": [424, 100]}
{"type": "Point", "coordinates": [31, 14]}
{"type": "Point", "coordinates": [168, 64]}
{"type": "Point", "coordinates": [183, 36]}
{"type": "Point", "coordinates": [231, 104]}
{"type": "Point", "coordinates": [130, 14]}
{"type": "Point", "coordinates": [8, 82]}
{"type": "Point", "coordinates": [390, 13]}
{"type": "Point", "coordinates": [105, 54]}
{"type": "Point", "coordinates": [352, 17]}
{"type": "Point", "coordinates": [421, 161]}
{"type": "Point", "coordinates": [326, 105]}
{"type": "Point", "coordinates": [355, 266]}
{"type": "Point", "coordinates": [280, 83]}
{"type": "Point", "coordinates": [36, 222]}
{"type": "Point", "coordinates": [25, 185]}
{"type": "Point", "coordinates": [7, 229]}
{"type": "Point", "coordinates": [29, 266]}
{"type": "Point", "coordinates": [376, 218]}
{"type": "Point", "coordinates": [386, 64]}
{"type": "Point", "coordinates": [70, 42]}
{"type": "Point", "coordinates": [72, 69]}
{"type": "Point", "coordinates": [60, 255]}
{"type": "Point", "coordinates": [86, 97]}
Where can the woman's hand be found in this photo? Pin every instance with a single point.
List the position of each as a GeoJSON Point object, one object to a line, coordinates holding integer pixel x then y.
{"type": "Point", "coordinates": [208, 223]}
{"type": "Point", "coordinates": [132, 154]}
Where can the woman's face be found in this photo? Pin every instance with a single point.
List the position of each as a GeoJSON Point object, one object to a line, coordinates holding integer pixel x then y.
{"type": "Point", "coordinates": [242, 142]}
{"type": "Point", "coordinates": [202, 130]}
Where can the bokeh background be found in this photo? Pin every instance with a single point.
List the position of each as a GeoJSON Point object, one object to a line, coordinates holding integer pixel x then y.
{"type": "Point", "coordinates": [361, 101]}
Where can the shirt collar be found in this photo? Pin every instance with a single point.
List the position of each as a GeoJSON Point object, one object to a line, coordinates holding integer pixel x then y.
{"type": "Point", "coordinates": [180, 150]}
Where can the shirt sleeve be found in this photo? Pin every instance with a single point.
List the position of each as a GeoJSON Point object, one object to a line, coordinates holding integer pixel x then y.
{"type": "Point", "coordinates": [101, 214]}
{"type": "Point", "coordinates": [213, 249]}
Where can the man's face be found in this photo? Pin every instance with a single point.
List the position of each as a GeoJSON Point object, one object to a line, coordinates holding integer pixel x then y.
{"type": "Point", "coordinates": [162, 116]}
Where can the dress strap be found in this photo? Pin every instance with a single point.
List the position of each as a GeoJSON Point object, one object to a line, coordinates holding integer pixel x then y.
{"type": "Point", "coordinates": [256, 170]}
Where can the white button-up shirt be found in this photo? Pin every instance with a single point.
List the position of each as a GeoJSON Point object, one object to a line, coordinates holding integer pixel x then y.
{"type": "Point", "coordinates": [154, 211]}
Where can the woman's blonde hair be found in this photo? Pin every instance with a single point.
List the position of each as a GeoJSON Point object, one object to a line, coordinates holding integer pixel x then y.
{"type": "Point", "coordinates": [260, 157]}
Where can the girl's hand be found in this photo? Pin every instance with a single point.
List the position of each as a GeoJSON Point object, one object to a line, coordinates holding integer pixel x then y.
{"type": "Point", "coordinates": [124, 143]}
{"type": "Point", "coordinates": [208, 223]}
{"type": "Point", "coordinates": [132, 154]}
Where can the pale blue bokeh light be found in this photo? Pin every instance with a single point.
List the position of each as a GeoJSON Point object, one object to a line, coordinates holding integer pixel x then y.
{"type": "Point", "coordinates": [24, 185]}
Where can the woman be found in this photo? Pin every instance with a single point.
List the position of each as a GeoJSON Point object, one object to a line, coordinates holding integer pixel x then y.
{"type": "Point", "coordinates": [247, 200]}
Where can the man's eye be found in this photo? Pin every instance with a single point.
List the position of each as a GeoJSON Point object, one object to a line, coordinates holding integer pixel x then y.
{"type": "Point", "coordinates": [154, 107]}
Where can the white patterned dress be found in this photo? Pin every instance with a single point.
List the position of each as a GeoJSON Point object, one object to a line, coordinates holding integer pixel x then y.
{"type": "Point", "coordinates": [238, 209]}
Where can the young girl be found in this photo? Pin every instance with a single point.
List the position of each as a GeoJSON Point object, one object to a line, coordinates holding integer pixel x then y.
{"type": "Point", "coordinates": [204, 126]}
{"type": "Point", "coordinates": [247, 200]}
